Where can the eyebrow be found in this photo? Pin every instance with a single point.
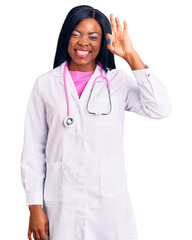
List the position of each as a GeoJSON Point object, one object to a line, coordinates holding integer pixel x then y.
{"type": "Point", "coordinates": [88, 33]}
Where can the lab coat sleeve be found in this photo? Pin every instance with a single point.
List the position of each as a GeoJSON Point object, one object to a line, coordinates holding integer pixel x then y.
{"type": "Point", "coordinates": [33, 152]}
{"type": "Point", "coordinates": [146, 94]}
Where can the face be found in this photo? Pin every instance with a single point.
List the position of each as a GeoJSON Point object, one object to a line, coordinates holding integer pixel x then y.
{"type": "Point", "coordinates": [84, 44]}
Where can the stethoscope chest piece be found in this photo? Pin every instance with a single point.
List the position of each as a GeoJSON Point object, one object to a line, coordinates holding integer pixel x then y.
{"type": "Point", "coordinates": [69, 121]}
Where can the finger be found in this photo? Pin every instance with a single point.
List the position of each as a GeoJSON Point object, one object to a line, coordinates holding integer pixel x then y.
{"type": "Point", "coordinates": [36, 235]}
{"type": "Point", "coordinates": [125, 27]}
{"type": "Point", "coordinates": [29, 234]}
{"type": "Point", "coordinates": [119, 28]}
{"type": "Point", "coordinates": [47, 229]}
{"type": "Point", "coordinates": [110, 43]}
{"type": "Point", "coordinates": [42, 235]}
{"type": "Point", "coordinates": [113, 23]}
{"type": "Point", "coordinates": [110, 40]}
{"type": "Point", "coordinates": [108, 35]}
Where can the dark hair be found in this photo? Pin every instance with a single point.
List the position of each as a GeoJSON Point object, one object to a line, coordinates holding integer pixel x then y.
{"type": "Point", "coordinates": [74, 17]}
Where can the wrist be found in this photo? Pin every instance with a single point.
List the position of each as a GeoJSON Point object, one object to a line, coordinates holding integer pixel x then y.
{"type": "Point", "coordinates": [129, 55]}
{"type": "Point", "coordinates": [32, 207]}
{"type": "Point", "coordinates": [134, 61]}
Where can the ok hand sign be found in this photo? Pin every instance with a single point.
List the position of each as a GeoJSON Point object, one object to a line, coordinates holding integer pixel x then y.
{"type": "Point", "coordinates": [119, 43]}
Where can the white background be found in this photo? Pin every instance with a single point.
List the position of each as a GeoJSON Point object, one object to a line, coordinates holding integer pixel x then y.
{"type": "Point", "coordinates": [158, 152]}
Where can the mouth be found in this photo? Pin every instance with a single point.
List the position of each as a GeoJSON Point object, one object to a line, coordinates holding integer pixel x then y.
{"type": "Point", "coordinates": [82, 53]}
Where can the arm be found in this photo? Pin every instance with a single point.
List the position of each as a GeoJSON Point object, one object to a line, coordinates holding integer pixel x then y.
{"type": "Point", "coordinates": [147, 95]}
{"type": "Point", "coordinates": [33, 153]}
{"type": "Point", "coordinates": [33, 163]}
{"type": "Point", "coordinates": [134, 60]}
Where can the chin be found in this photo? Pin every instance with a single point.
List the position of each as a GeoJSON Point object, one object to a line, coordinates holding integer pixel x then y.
{"type": "Point", "coordinates": [83, 61]}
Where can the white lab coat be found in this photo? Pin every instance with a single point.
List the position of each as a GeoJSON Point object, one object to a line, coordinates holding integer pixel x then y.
{"type": "Point", "coordinates": [78, 173]}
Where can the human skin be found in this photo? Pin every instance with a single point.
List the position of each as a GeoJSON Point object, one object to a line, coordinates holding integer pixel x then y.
{"type": "Point", "coordinates": [87, 35]}
{"type": "Point", "coordinates": [38, 223]}
{"type": "Point", "coordinates": [121, 44]}
{"type": "Point", "coordinates": [84, 38]}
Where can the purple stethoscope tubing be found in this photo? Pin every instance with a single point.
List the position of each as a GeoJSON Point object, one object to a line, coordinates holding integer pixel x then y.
{"type": "Point", "coordinates": [69, 121]}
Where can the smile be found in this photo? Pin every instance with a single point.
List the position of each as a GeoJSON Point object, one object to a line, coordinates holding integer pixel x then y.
{"type": "Point", "coordinates": [82, 53]}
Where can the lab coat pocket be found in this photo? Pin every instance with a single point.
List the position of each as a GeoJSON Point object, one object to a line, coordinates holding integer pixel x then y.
{"type": "Point", "coordinates": [102, 105]}
{"type": "Point", "coordinates": [113, 176]}
{"type": "Point", "coordinates": [53, 182]}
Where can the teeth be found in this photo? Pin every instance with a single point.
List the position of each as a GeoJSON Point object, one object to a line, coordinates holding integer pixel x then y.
{"type": "Point", "coordinates": [82, 52]}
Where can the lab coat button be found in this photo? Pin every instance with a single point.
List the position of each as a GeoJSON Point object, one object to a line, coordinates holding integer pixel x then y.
{"type": "Point", "coordinates": [148, 75]}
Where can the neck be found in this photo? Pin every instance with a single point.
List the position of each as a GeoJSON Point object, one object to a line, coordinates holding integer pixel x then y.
{"type": "Point", "coordinates": [82, 67]}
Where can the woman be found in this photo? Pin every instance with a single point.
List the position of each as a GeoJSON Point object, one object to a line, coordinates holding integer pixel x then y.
{"type": "Point", "coordinates": [72, 168]}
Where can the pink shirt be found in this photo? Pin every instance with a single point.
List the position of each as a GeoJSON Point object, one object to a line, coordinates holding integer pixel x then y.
{"type": "Point", "coordinates": [80, 80]}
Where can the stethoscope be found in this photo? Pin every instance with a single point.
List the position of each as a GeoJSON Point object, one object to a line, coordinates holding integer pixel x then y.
{"type": "Point", "coordinates": [69, 121]}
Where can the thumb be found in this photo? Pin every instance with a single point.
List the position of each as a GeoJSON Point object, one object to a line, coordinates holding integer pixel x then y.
{"type": "Point", "coordinates": [108, 35]}
{"type": "Point", "coordinates": [109, 39]}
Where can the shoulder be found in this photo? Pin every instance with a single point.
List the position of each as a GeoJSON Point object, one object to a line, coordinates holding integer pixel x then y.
{"type": "Point", "coordinates": [113, 73]}
{"type": "Point", "coordinates": [49, 76]}
{"type": "Point", "coordinates": [118, 74]}
{"type": "Point", "coordinates": [55, 72]}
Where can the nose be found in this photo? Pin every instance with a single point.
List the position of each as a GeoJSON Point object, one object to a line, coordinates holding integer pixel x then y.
{"type": "Point", "coordinates": [83, 41]}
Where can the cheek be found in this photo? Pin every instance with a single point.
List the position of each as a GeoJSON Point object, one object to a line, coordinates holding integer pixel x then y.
{"type": "Point", "coordinates": [97, 47]}
{"type": "Point", "coordinates": [70, 46]}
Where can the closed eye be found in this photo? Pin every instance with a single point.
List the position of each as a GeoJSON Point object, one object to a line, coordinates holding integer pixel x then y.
{"type": "Point", "coordinates": [93, 37]}
{"type": "Point", "coordinates": [75, 35]}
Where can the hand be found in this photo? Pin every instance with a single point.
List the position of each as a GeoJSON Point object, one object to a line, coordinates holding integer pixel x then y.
{"type": "Point", "coordinates": [38, 223]}
{"type": "Point", "coordinates": [120, 41]}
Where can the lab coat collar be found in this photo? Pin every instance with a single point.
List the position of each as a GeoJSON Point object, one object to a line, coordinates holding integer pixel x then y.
{"type": "Point", "coordinates": [58, 72]}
